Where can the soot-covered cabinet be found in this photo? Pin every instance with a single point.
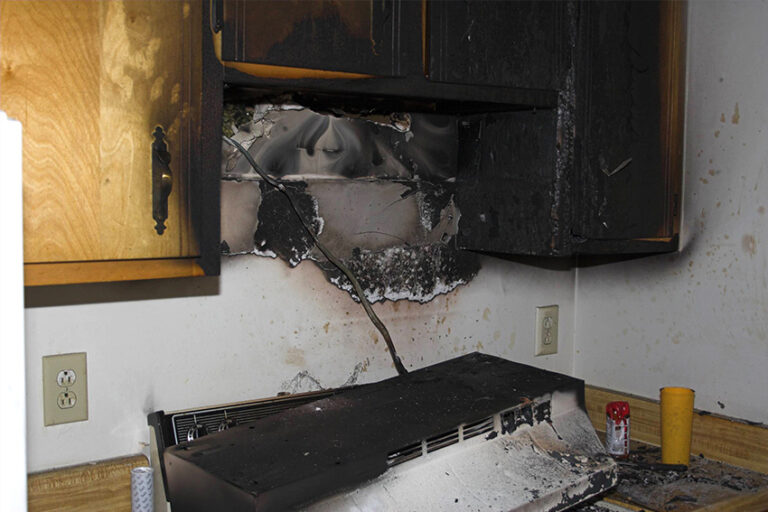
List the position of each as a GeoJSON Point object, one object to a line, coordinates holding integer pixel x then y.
{"type": "Point", "coordinates": [569, 114]}
{"type": "Point", "coordinates": [378, 38]}
{"type": "Point", "coordinates": [600, 173]}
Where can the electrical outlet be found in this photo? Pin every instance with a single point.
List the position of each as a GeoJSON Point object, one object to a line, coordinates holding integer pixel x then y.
{"type": "Point", "coordinates": [546, 330]}
{"type": "Point", "coordinates": [65, 389]}
{"type": "Point", "coordinates": [66, 378]}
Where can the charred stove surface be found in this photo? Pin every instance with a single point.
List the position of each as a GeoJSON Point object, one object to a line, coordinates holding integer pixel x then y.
{"type": "Point", "coordinates": [335, 443]}
{"type": "Point", "coordinates": [378, 190]}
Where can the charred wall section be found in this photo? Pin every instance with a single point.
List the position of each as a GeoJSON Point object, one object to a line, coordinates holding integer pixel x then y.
{"type": "Point", "coordinates": [379, 190]}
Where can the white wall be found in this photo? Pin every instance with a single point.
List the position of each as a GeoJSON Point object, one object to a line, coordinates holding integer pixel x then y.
{"type": "Point", "coordinates": [699, 318]}
{"type": "Point", "coordinates": [263, 325]}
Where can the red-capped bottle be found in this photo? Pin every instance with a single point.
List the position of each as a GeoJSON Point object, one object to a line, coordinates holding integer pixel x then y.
{"type": "Point", "coordinates": [617, 428]}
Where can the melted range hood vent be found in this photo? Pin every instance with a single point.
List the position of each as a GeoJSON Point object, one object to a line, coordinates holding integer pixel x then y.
{"type": "Point", "coordinates": [478, 431]}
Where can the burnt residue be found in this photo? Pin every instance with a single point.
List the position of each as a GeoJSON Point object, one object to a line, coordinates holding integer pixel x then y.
{"type": "Point", "coordinates": [415, 273]}
{"type": "Point", "coordinates": [283, 234]}
{"type": "Point", "coordinates": [302, 382]}
{"type": "Point", "coordinates": [597, 483]}
{"type": "Point", "coordinates": [543, 412]}
{"type": "Point", "coordinates": [703, 483]}
{"type": "Point", "coordinates": [514, 419]}
{"type": "Point", "coordinates": [378, 190]}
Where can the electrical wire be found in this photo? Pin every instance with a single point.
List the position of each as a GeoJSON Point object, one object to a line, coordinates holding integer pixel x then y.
{"type": "Point", "coordinates": [328, 254]}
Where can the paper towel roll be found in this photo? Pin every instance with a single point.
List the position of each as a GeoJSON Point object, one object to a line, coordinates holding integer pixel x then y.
{"type": "Point", "coordinates": [142, 489]}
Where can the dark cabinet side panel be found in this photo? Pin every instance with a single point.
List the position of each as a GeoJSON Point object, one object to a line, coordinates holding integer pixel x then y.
{"type": "Point", "coordinates": [377, 37]}
{"type": "Point", "coordinates": [510, 44]}
{"type": "Point", "coordinates": [507, 183]}
{"type": "Point", "coordinates": [206, 168]}
{"type": "Point", "coordinates": [621, 190]}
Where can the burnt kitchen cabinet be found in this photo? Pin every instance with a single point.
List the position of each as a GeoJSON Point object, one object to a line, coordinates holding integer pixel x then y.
{"type": "Point", "coordinates": [377, 37]}
{"type": "Point", "coordinates": [116, 100]}
{"type": "Point", "coordinates": [507, 44]}
{"type": "Point", "coordinates": [629, 111]}
{"type": "Point", "coordinates": [508, 171]}
{"type": "Point", "coordinates": [599, 174]}
{"type": "Point", "coordinates": [570, 112]}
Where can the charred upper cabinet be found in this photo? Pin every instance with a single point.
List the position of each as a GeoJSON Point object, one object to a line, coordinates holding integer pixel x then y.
{"type": "Point", "coordinates": [629, 92]}
{"type": "Point", "coordinates": [569, 113]}
{"type": "Point", "coordinates": [377, 37]}
{"type": "Point", "coordinates": [600, 173]}
{"type": "Point", "coordinates": [508, 44]}
{"type": "Point", "coordinates": [507, 185]}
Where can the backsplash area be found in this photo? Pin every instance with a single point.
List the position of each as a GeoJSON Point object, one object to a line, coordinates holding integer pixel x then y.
{"type": "Point", "coordinates": [259, 329]}
{"type": "Point", "coordinates": [377, 189]}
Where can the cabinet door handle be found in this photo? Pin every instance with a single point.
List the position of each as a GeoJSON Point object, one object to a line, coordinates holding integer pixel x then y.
{"type": "Point", "coordinates": [162, 180]}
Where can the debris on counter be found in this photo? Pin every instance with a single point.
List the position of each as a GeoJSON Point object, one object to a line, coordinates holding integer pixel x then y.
{"type": "Point", "coordinates": [645, 482]}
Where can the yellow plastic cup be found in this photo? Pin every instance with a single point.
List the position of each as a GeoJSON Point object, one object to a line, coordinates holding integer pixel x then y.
{"type": "Point", "coordinates": [676, 423]}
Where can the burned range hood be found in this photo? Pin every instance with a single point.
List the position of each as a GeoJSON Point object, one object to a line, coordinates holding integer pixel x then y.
{"type": "Point", "coordinates": [473, 433]}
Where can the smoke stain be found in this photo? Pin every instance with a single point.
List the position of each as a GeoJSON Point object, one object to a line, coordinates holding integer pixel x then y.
{"type": "Point", "coordinates": [749, 245]}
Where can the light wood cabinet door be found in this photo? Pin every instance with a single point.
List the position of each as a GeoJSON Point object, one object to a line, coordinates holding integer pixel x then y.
{"type": "Point", "coordinates": [90, 82]}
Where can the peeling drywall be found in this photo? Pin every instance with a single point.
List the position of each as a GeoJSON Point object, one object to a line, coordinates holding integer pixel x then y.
{"type": "Point", "coordinates": [290, 140]}
{"type": "Point", "coordinates": [377, 190]}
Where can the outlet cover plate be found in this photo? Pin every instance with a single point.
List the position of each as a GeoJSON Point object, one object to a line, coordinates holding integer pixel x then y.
{"type": "Point", "coordinates": [65, 400]}
{"type": "Point", "coordinates": [546, 330]}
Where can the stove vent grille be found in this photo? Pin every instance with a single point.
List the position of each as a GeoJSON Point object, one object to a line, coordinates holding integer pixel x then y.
{"type": "Point", "coordinates": [442, 440]}
{"type": "Point", "coordinates": [209, 420]}
{"type": "Point", "coordinates": [437, 442]}
{"type": "Point", "coordinates": [404, 454]}
{"type": "Point", "coordinates": [478, 428]}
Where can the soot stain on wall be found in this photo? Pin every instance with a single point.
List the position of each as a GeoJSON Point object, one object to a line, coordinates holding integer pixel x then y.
{"type": "Point", "coordinates": [391, 220]}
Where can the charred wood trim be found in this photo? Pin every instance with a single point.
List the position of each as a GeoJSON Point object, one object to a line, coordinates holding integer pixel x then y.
{"type": "Point", "coordinates": [415, 88]}
{"type": "Point", "coordinates": [205, 172]}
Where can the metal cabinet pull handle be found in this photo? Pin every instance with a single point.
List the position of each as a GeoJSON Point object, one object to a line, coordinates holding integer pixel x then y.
{"type": "Point", "coordinates": [162, 180]}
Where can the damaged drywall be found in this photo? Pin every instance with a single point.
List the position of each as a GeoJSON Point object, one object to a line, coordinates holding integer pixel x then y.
{"type": "Point", "coordinates": [290, 140]}
{"type": "Point", "coordinates": [377, 190]}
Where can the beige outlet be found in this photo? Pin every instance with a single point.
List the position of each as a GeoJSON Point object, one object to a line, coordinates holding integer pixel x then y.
{"type": "Point", "coordinates": [65, 388]}
{"type": "Point", "coordinates": [546, 330]}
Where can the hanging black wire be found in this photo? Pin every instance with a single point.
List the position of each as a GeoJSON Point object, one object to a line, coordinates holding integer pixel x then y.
{"type": "Point", "coordinates": [328, 254]}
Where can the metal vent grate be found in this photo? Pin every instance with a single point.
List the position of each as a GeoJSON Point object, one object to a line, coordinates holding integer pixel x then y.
{"type": "Point", "coordinates": [403, 454]}
{"type": "Point", "coordinates": [442, 440]}
{"type": "Point", "coordinates": [437, 442]}
{"type": "Point", "coordinates": [214, 419]}
{"type": "Point", "coordinates": [478, 428]}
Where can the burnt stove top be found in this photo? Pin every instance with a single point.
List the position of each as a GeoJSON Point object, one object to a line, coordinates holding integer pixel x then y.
{"type": "Point", "coordinates": [344, 442]}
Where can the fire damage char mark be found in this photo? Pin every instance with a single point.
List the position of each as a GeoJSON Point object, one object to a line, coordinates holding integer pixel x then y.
{"type": "Point", "coordinates": [394, 227]}
{"type": "Point", "coordinates": [279, 230]}
{"type": "Point", "coordinates": [414, 273]}
{"type": "Point", "coordinates": [418, 271]}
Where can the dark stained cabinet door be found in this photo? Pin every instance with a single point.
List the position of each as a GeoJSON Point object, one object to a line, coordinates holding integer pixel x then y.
{"type": "Point", "coordinates": [376, 37]}
{"type": "Point", "coordinates": [601, 173]}
{"type": "Point", "coordinates": [624, 189]}
{"type": "Point", "coordinates": [508, 183]}
{"type": "Point", "coordinates": [508, 44]}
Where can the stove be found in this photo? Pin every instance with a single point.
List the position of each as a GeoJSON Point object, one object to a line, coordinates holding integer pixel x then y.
{"type": "Point", "coordinates": [473, 433]}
